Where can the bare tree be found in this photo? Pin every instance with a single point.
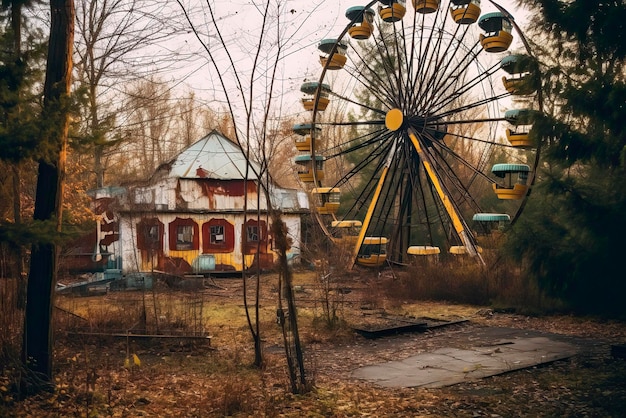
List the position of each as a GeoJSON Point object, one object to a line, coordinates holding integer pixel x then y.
{"type": "Point", "coordinates": [247, 68]}
{"type": "Point", "coordinates": [279, 149]}
{"type": "Point", "coordinates": [117, 43]}
{"type": "Point", "coordinates": [149, 123]}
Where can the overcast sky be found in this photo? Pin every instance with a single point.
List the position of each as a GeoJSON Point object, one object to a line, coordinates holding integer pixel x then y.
{"type": "Point", "coordinates": [303, 24]}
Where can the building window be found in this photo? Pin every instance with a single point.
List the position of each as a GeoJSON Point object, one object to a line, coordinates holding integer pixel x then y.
{"type": "Point", "coordinates": [150, 234]}
{"type": "Point", "coordinates": [184, 237]}
{"type": "Point", "coordinates": [217, 234]}
{"type": "Point", "coordinates": [183, 234]}
{"type": "Point", "coordinates": [253, 233]}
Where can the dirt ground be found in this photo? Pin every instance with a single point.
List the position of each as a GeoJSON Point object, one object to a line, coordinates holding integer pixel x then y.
{"type": "Point", "coordinates": [112, 377]}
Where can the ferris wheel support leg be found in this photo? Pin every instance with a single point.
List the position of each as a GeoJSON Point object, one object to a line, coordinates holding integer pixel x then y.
{"type": "Point", "coordinates": [372, 206]}
{"type": "Point", "coordinates": [457, 221]}
{"type": "Point", "coordinates": [368, 217]}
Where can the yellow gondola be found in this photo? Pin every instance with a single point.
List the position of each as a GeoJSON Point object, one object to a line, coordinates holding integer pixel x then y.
{"type": "Point", "coordinates": [333, 54]}
{"type": "Point", "coordinates": [462, 250]}
{"type": "Point", "coordinates": [363, 22]}
{"type": "Point", "coordinates": [515, 177]}
{"type": "Point", "coordinates": [522, 120]}
{"type": "Point", "coordinates": [523, 70]}
{"type": "Point", "coordinates": [422, 250]}
{"type": "Point", "coordinates": [465, 12]}
{"type": "Point", "coordinates": [373, 252]}
{"type": "Point", "coordinates": [498, 29]}
{"type": "Point", "coordinates": [303, 141]}
{"type": "Point", "coordinates": [326, 199]}
{"type": "Point", "coordinates": [346, 232]}
{"type": "Point", "coordinates": [310, 90]}
{"type": "Point", "coordinates": [304, 164]}
{"type": "Point", "coordinates": [423, 255]}
{"type": "Point", "coordinates": [425, 6]}
{"type": "Point", "coordinates": [392, 10]}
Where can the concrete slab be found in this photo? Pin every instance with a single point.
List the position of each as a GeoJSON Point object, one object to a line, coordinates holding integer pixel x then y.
{"type": "Point", "coordinates": [449, 366]}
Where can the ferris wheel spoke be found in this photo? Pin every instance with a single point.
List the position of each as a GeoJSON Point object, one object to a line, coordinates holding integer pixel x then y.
{"type": "Point", "coordinates": [357, 142]}
{"type": "Point", "coordinates": [378, 140]}
{"type": "Point", "coordinates": [434, 70]}
{"type": "Point", "coordinates": [435, 66]}
{"type": "Point", "coordinates": [448, 173]}
{"type": "Point", "coordinates": [462, 188]}
{"type": "Point", "coordinates": [466, 87]}
{"type": "Point", "coordinates": [463, 56]}
{"type": "Point", "coordinates": [462, 109]}
{"type": "Point", "coordinates": [479, 140]}
{"type": "Point", "coordinates": [353, 123]}
{"type": "Point", "coordinates": [375, 156]}
{"type": "Point", "coordinates": [424, 67]}
{"type": "Point", "coordinates": [389, 65]}
{"type": "Point", "coordinates": [361, 199]}
{"type": "Point", "coordinates": [423, 188]}
{"type": "Point", "coordinates": [450, 81]}
{"type": "Point", "coordinates": [370, 79]}
{"type": "Point", "coordinates": [373, 109]}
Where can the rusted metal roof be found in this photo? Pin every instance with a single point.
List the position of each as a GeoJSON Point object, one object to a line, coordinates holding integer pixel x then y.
{"type": "Point", "coordinates": [215, 157]}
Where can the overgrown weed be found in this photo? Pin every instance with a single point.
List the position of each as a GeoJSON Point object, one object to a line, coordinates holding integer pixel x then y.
{"type": "Point", "coordinates": [498, 284]}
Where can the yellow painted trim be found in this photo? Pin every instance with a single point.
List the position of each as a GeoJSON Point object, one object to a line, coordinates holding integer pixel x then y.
{"type": "Point", "coordinates": [307, 177]}
{"type": "Point", "coordinates": [346, 224]}
{"type": "Point", "coordinates": [518, 86]}
{"type": "Point", "coordinates": [372, 260]}
{"type": "Point", "coordinates": [305, 145]}
{"type": "Point", "coordinates": [375, 241]}
{"type": "Point", "coordinates": [519, 140]}
{"type": "Point", "coordinates": [328, 208]}
{"type": "Point", "coordinates": [462, 250]}
{"type": "Point", "coordinates": [361, 32]}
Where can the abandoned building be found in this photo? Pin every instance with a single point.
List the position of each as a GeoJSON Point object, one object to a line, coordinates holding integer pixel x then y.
{"type": "Point", "coordinates": [203, 212]}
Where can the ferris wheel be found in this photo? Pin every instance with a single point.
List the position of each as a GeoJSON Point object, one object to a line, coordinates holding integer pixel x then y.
{"type": "Point", "coordinates": [418, 136]}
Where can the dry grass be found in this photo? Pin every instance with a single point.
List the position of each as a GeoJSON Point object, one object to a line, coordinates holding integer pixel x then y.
{"type": "Point", "coordinates": [94, 378]}
{"type": "Point", "coordinates": [497, 284]}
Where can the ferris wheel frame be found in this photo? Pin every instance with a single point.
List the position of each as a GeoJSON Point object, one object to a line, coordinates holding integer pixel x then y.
{"type": "Point", "coordinates": [398, 120]}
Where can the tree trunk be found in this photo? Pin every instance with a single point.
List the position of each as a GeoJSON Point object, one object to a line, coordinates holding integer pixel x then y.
{"type": "Point", "coordinates": [291, 335]}
{"type": "Point", "coordinates": [37, 349]}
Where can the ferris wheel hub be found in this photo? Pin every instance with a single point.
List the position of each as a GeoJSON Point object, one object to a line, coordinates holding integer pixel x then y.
{"type": "Point", "coordinates": [394, 119]}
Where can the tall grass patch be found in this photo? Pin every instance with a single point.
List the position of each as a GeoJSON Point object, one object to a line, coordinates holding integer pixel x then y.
{"type": "Point", "coordinates": [498, 284]}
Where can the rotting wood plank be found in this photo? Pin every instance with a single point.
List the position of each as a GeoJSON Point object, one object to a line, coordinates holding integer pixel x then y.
{"type": "Point", "coordinates": [200, 338]}
{"type": "Point", "coordinates": [407, 325]}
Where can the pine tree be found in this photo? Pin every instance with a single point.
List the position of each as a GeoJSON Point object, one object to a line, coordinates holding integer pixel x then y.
{"type": "Point", "coordinates": [571, 238]}
{"type": "Point", "coordinates": [21, 56]}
